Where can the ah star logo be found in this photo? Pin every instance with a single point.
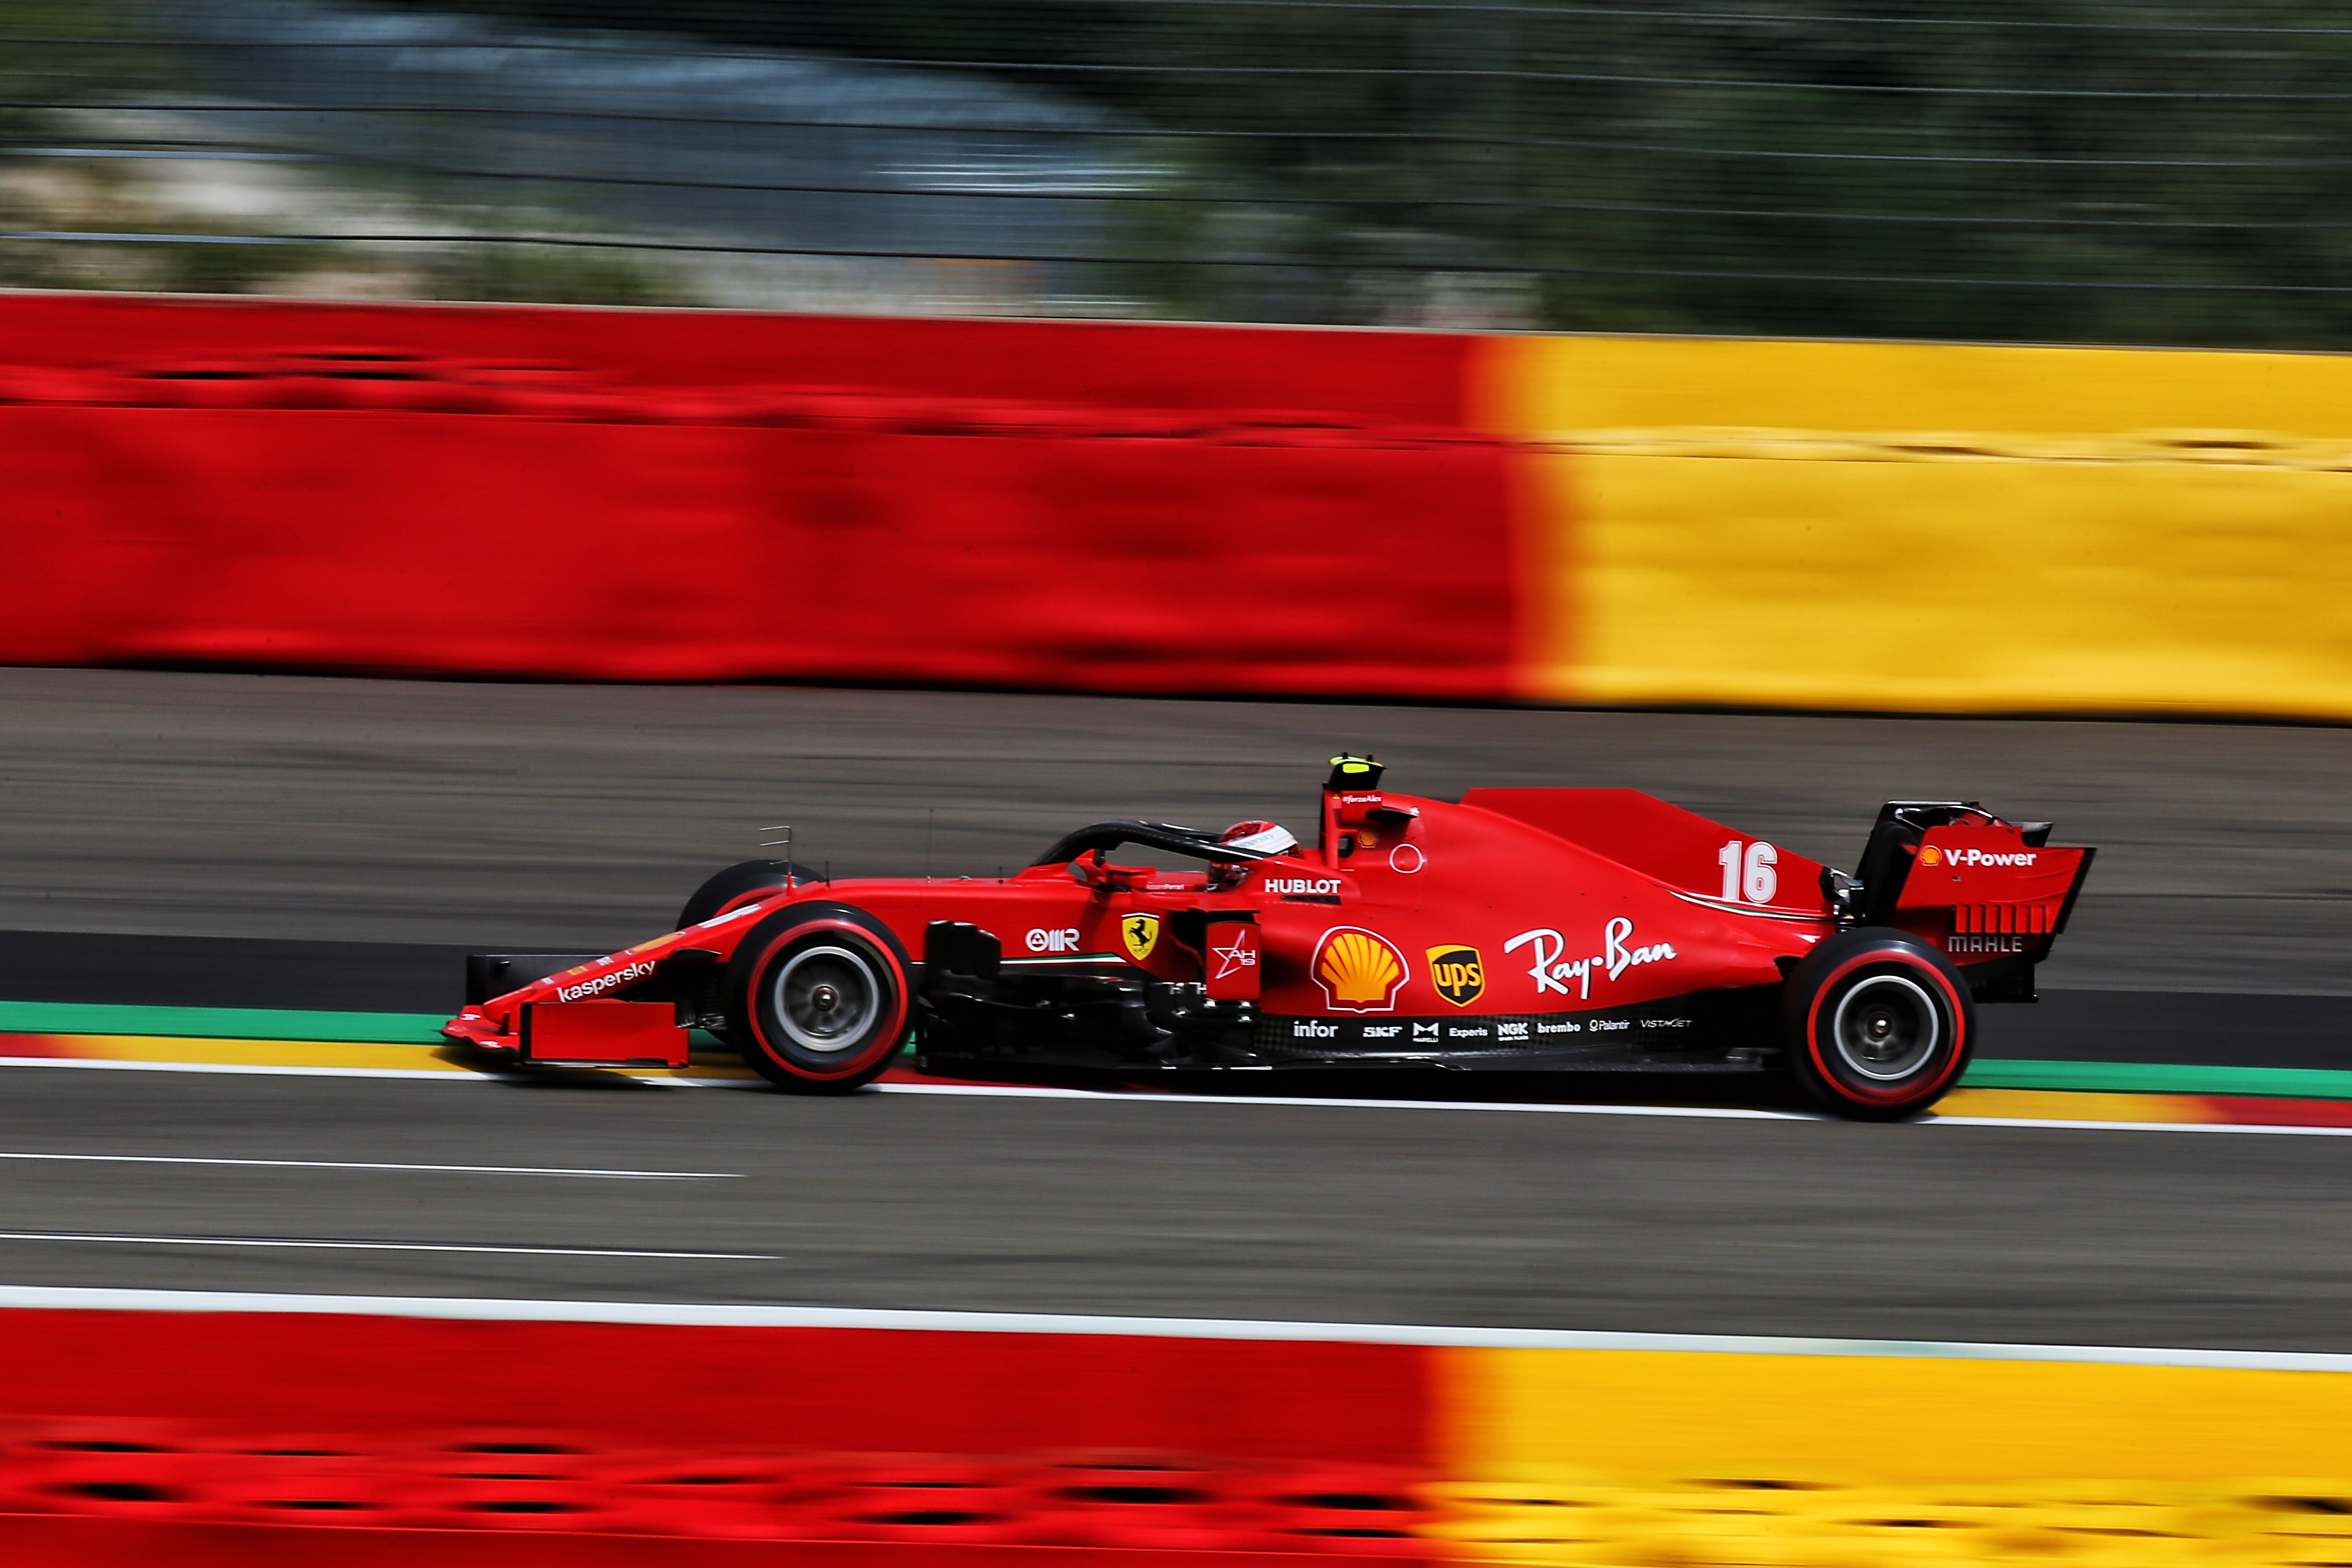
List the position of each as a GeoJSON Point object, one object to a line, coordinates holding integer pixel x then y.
{"type": "Point", "coordinates": [1240, 953]}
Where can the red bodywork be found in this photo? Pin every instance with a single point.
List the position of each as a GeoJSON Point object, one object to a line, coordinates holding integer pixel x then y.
{"type": "Point", "coordinates": [1514, 925]}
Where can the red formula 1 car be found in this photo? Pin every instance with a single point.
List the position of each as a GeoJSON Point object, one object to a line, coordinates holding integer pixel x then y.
{"type": "Point", "coordinates": [1514, 929]}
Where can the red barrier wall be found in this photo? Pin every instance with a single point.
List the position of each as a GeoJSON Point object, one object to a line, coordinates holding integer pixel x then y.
{"type": "Point", "coordinates": [1140, 524]}
{"type": "Point", "coordinates": [665, 1384]}
{"type": "Point", "coordinates": [1378, 377]}
{"type": "Point", "coordinates": [239, 1437]}
{"type": "Point", "coordinates": [67, 1541]}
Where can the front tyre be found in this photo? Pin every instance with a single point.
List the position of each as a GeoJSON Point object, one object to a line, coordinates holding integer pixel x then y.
{"type": "Point", "coordinates": [1878, 1026]}
{"type": "Point", "coordinates": [817, 998]}
{"type": "Point", "coordinates": [740, 883]}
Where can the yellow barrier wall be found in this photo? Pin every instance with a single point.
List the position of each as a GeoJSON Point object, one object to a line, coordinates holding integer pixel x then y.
{"type": "Point", "coordinates": [1930, 527]}
{"type": "Point", "coordinates": [1882, 1420]}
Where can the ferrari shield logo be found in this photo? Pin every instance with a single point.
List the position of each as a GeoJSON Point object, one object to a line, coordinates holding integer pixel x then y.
{"type": "Point", "coordinates": [1457, 973]}
{"type": "Point", "coordinates": [1140, 934]}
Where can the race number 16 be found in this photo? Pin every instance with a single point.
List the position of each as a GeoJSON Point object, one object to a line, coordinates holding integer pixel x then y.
{"type": "Point", "coordinates": [1750, 875]}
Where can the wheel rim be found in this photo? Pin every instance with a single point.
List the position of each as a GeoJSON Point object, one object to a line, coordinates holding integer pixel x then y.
{"type": "Point", "coordinates": [826, 998]}
{"type": "Point", "coordinates": [1886, 1027]}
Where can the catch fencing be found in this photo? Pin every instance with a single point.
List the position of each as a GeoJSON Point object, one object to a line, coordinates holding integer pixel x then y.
{"type": "Point", "coordinates": [2088, 173]}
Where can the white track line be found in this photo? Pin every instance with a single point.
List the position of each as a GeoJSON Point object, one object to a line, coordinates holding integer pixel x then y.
{"type": "Point", "coordinates": [364, 1245]}
{"type": "Point", "coordinates": [389, 1165]}
{"type": "Point", "coordinates": [415, 1074]}
{"type": "Point", "coordinates": [248, 1069]}
{"type": "Point", "coordinates": [1698, 1113]}
{"type": "Point", "coordinates": [1024, 1091]}
{"type": "Point", "coordinates": [728, 1315]}
{"type": "Point", "coordinates": [2271, 1128]}
{"type": "Point", "coordinates": [1009, 1091]}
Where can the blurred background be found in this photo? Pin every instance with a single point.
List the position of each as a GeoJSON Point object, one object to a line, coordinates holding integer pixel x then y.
{"type": "Point", "coordinates": [2156, 173]}
{"type": "Point", "coordinates": [1738, 436]}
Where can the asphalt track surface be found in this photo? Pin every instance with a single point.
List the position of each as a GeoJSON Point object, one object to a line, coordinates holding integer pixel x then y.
{"type": "Point", "coordinates": [1144, 1207]}
{"type": "Point", "coordinates": [412, 820]}
{"type": "Point", "coordinates": [526, 817]}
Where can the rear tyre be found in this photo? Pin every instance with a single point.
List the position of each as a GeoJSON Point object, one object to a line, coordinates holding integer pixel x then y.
{"type": "Point", "coordinates": [736, 885]}
{"type": "Point", "coordinates": [1878, 1026]}
{"type": "Point", "coordinates": [817, 998]}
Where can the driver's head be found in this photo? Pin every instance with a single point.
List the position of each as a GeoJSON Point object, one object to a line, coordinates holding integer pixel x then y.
{"type": "Point", "coordinates": [1266, 837]}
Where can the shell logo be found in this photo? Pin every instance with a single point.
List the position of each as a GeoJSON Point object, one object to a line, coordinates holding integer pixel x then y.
{"type": "Point", "coordinates": [1931, 856]}
{"type": "Point", "coordinates": [1360, 972]}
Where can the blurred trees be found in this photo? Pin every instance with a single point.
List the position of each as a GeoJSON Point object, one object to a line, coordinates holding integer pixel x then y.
{"type": "Point", "coordinates": [105, 51]}
{"type": "Point", "coordinates": [2054, 170]}
{"type": "Point", "coordinates": [2173, 171]}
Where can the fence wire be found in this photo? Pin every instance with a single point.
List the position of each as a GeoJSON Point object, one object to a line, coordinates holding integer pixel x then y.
{"type": "Point", "coordinates": [2067, 170]}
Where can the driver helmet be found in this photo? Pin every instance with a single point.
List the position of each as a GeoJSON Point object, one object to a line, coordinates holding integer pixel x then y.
{"type": "Point", "coordinates": [1267, 837]}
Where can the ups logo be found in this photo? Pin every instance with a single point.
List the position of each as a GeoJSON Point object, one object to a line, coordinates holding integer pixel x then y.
{"type": "Point", "coordinates": [1458, 973]}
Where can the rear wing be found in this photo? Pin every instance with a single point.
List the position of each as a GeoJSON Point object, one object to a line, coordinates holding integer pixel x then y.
{"type": "Point", "coordinates": [1978, 886]}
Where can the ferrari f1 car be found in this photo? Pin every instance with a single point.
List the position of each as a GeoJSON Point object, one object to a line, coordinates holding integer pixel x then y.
{"type": "Point", "coordinates": [1513, 929]}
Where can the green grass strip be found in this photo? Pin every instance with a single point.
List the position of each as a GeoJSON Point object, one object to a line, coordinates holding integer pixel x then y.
{"type": "Point", "coordinates": [2155, 1077]}
{"type": "Point", "coordinates": [221, 1023]}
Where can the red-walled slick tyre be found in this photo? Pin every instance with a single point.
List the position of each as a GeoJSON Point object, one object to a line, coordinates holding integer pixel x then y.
{"type": "Point", "coordinates": [1876, 1024]}
{"type": "Point", "coordinates": [817, 997]}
